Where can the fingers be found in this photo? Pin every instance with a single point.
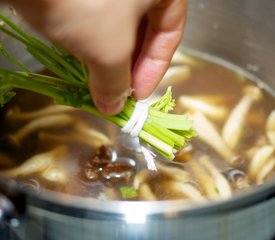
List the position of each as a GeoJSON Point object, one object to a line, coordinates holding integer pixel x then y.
{"type": "Point", "coordinates": [163, 34]}
{"type": "Point", "coordinates": [110, 86]}
{"type": "Point", "coordinates": [101, 35]}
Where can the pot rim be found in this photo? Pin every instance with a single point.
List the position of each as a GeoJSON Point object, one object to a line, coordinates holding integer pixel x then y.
{"type": "Point", "coordinates": [81, 206]}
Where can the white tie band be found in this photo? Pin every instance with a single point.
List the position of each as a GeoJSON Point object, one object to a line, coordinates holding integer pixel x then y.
{"type": "Point", "coordinates": [135, 125]}
{"type": "Point", "coordinates": [138, 118]}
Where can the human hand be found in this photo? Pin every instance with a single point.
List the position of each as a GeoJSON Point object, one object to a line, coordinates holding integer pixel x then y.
{"type": "Point", "coordinates": [125, 44]}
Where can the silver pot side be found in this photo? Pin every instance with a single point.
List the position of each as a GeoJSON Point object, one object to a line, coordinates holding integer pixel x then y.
{"type": "Point", "coordinates": [240, 32]}
{"type": "Point", "coordinates": [251, 222]}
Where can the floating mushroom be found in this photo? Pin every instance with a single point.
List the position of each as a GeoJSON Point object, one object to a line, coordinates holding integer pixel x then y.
{"type": "Point", "coordinates": [180, 58]}
{"type": "Point", "coordinates": [210, 110]}
{"type": "Point", "coordinates": [238, 179]}
{"type": "Point", "coordinates": [271, 137]}
{"type": "Point", "coordinates": [233, 127]}
{"type": "Point", "coordinates": [174, 173]}
{"type": "Point", "coordinates": [270, 122]}
{"type": "Point", "coordinates": [37, 163]}
{"type": "Point", "coordinates": [141, 177]}
{"type": "Point", "coordinates": [184, 190]}
{"type": "Point", "coordinates": [208, 133]}
{"type": "Point", "coordinates": [206, 182]}
{"type": "Point", "coordinates": [88, 132]}
{"type": "Point", "coordinates": [145, 193]}
{"type": "Point", "coordinates": [16, 114]}
{"type": "Point", "coordinates": [222, 185]}
{"type": "Point", "coordinates": [270, 127]}
{"type": "Point", "coordinates": [176, 74]}
{"type": "Point", "coordinates": [259, 159]}
{"type": "Point", "coordinates": [265, 170]}
{"type": "Point", "coordinates": [95, 139]}
{"type": "Point", "coordinates": [52, 121]}
{"type": "Point", "coordinates": [55, 174]}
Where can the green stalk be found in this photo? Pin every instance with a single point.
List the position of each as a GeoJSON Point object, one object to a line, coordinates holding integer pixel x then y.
{"type": "Point", "coordinates": [164, 131]}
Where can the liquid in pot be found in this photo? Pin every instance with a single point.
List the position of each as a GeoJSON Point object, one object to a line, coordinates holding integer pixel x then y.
{"type": "Point", "coordinates": [45, 146]}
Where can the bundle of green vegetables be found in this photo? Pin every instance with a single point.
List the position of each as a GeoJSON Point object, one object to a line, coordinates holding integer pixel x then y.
{"type": "Point", "coordinates": [164, 131]}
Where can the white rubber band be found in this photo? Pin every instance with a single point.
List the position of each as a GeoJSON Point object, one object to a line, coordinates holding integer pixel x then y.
{"type": "Point", "coordinates": [138, 118]}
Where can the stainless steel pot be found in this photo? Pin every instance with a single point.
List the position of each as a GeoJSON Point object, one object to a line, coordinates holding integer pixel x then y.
{"type": "Point", "coordinates": [240, 32]}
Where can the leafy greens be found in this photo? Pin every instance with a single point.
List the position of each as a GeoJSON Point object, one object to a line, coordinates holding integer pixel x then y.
{"type": "Point", "coordinates": [164, 131]}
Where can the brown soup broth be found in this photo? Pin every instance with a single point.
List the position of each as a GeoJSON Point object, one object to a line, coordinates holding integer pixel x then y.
{"type": "Point", "coordinates": [89, 170]}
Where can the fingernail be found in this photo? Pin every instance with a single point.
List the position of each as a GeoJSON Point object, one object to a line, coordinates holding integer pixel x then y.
{"type": "Point", "coordinates": [110, 108]}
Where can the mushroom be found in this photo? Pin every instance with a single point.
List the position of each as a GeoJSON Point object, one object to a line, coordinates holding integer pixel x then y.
{"type": "Point", "coordinates": [206, 182]}
{"type": "Point", "coordinates": [52, 121]}
{"type": "Point", "coordinates": [210, 110]}
{"type": "Point", "coordinates": [140, 178]}
{"type": "Point", "coordinates": [185, 189]}
{"type": "Point", "coordinates": [222, 185]}
{"type": "Point", "coordinates": [16, 114]}
{"type": "Point", "coordinates": [233, 128]}
{"type": "Point", "coordinates": [176, 74]}
{"type": "Point", "coordinates": [259, 160]}
{"type": "Point", "coordinates": [270, 127]}
{"type": "Point", "coordinates": [37, 163]}
{"type": "Point", "coordinates": [95, 139]}
{"type": "Point", "coordinates": [238, 179]}
{"type": "Point", "coordinates": [271, 137]}
{"type": "Point", "coordinates": [270, 122]}
{"type": "Point", "coordinates": [265, 170]}
{"type": "Point", "coordinates": [55, 174]}
{"type": "Point", "coordinates": [88, 132]}
{"type": "Point", "coordinates": [180, 58]}
{"type": "Point", "coordinates": [174, 173]}
{"type": "Point", "coordinates": [145, 193]}
{"type": "Point", "coordinates": [208, 133]}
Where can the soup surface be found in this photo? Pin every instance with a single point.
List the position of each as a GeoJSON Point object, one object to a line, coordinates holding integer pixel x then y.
{"type": "Point", "coordinates": [45, 146]}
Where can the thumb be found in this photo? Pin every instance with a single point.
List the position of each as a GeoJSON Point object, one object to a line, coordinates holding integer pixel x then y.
{"type": "Point", "coordinates": [110, 86]}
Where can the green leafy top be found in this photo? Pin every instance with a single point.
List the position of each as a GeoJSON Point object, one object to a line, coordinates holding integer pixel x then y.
{"type": "Point", "coordinates": [166, 103]}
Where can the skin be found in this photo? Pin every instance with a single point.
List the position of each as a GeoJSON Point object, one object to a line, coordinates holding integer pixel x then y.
{"type": "Point", "coordinates": [126, 44]}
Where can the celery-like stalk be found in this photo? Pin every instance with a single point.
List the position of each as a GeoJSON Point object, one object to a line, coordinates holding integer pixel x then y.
{"type": "Point", "coordinates": [165, 132]}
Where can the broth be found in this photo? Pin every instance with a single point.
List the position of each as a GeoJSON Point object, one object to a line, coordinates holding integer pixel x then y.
{"type": "Point", "coordinates": [44, 146]}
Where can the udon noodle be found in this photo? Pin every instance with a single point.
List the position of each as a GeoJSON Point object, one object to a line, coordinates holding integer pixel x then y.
{"type": "Point", "coordinates": [47, 146]}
